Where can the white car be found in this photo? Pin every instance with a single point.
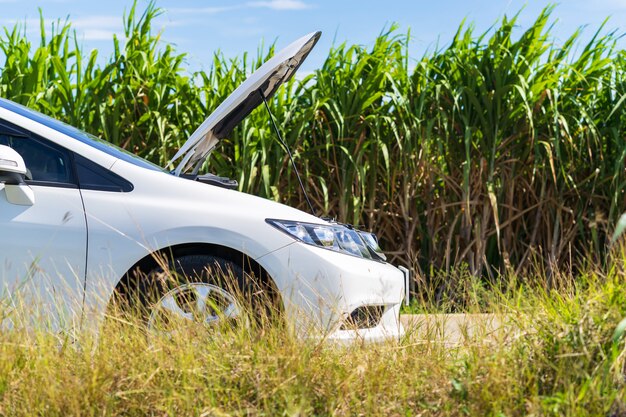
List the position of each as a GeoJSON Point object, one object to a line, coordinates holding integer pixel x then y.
{"type": "Point", "coordinates": [82, 220]}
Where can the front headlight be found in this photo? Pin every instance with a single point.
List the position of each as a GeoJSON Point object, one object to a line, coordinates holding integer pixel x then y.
{"type": "Point", "coordinates": [336, 237]}
{"type": "Point", "coordinates": [371, 241]}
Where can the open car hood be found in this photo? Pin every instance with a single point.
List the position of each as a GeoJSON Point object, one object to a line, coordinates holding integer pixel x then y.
{"type": "Point", "coordinates": [266, 80]}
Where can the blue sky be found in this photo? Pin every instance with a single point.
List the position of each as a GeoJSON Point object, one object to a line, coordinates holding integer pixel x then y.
{"type": "Point", "coordinates": [201, 27]}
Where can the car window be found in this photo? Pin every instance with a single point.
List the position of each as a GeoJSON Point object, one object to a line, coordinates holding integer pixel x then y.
{"type": "Point", "coordinates": [92, 176]}
{"type": "Point", "coordinates": [46, 162]}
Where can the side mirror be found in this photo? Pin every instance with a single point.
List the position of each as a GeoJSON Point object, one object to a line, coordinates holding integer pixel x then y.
{"type": "Point", "coordinates": [12, 174]}
{"type": "Point", "coordinates": [11, 162]}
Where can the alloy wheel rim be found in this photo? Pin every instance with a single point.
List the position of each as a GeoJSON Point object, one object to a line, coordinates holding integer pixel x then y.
{"type": "Point", "coordinates": [198, 302]}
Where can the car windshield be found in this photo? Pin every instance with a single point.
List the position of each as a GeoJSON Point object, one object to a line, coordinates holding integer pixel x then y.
{"type": "Point", "coordinates": [79, 135]}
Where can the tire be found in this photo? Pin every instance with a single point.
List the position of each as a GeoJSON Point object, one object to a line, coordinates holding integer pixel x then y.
{"type": "Point", "coordinates": [218, 287]}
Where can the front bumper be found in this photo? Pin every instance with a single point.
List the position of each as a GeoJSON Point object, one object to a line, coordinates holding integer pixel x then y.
{"type": "Point", "coordinates": [321, 289]}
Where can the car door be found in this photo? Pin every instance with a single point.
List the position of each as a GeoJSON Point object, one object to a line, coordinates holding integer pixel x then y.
{"type": "Point", "coordinates": [43, 246]}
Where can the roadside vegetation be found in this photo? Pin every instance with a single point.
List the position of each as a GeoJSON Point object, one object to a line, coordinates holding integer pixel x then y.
{"type": "Point", "coordinates": [493, 166]}
{"type": "Point", "coordinates": [556, 354]}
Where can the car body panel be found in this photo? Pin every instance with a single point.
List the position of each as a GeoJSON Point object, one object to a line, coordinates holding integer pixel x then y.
{"type": "Point", "coordinates": [246, 97]}
{"type": "Point", "coordinates": [164, 211]}
{"type": "Point", "coordinates": [322, 286]}
{"type": "Point", "coordinates": [43, 250]}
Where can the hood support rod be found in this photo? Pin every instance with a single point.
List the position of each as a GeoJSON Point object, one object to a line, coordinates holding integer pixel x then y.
{"type": "Point", "coordinates": [282, 142]}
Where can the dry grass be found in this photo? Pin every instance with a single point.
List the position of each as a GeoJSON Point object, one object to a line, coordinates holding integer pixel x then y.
{"type": "Point", "coordinates": [498, 157]}
{"type": "Point", "coordinates": [558, 359]}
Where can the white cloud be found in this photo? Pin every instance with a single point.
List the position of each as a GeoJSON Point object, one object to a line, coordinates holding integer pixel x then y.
{"type": "Point", "coordinates": [99, 34]}
{"type": "Point", "coordinates": [203, 10]}
{"type": "Point", "coordinates": [97, 27]}
{"type": "Point", "coordinates": [88, 27]}
{"type": "Point", "coordinates": [280, 4]}
{"type": "Point", "coordinates": [268, 4]}
{"type": "Point", "coordinates": [96, 22]}
{"type": "Point", "coordinates": [611, 5]}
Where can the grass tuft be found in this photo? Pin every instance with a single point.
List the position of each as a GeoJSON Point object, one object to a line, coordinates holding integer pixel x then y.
{"type": "Point", "coordinates": [552, 353]}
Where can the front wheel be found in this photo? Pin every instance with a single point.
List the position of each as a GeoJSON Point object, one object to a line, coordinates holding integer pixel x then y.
{"type": "Point", "coordinates": [197, 289]}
